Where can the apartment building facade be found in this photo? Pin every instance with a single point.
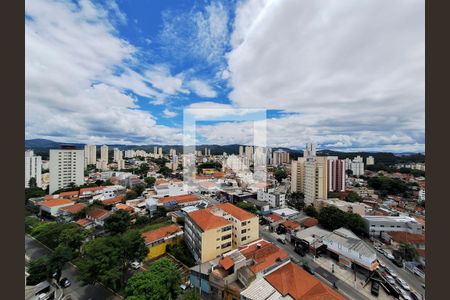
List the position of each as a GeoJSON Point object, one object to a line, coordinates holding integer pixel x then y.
{"type": "Point", "coordinates": [33, 168]}
{"type": "Point", "coordinates": [90, 154]}
{"type": "Point", "coordinates": [66, 166]}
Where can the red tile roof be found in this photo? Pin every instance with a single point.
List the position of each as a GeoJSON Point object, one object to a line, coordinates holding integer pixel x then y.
{"type": "Point", "coordinates": [124, 207]}
{"type": "Point", "coordinates": [91, 189]}
{"type": "Point", "coordinates": [226, 262]}
{"type": "Point", "coordinates": [294, 281]}
{"type": "Point", "coordinates": [83, 222]}
{"type": "Point", "coordinates": [180, 198]}
{"type": "Point", "coordinates": [310, 222]}
{"type": "Point", "coordinates": [207, 220]}
{"type": "Point", "coordinates": [71, 193]}
{"type": "Point", "coordinates": [97, 213]}
{"type": "Point", "coordinates": [235, 211]}
{"type": "Point", "coordinates": [114, 200]}
{"type": "Point", "coordinates": [49, 197]}
{"type": "Point", "coordinates": [406, 237]}
{"type": "Point", "coordinates": [265, 256]}
{"type": "Point", "coordinates": [56, 202]}
{"type": "Point", "coordinates": [290, 224]}
{"type": "Point", "coordinates": [73, 209]}
{"type": "Point", "coordinates": [274, 217]}
{"type": "Point", "coordinates": [154, 235]}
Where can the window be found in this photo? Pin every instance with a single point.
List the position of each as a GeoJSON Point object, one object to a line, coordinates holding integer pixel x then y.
{"type": "Point", "coordinates": [244, 238]}
{"type": "Point", "coordinates": [243, 223]}
{"type": "Point", "coordinates": [226, 245]}
{"type": "Point", "coordinates": [243, 231]}
{"type": "Point", "coordinates": [226, 237]}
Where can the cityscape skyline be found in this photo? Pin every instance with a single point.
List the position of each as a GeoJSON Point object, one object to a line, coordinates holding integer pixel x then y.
{"type": "Point", "coordinates": [148, 62]}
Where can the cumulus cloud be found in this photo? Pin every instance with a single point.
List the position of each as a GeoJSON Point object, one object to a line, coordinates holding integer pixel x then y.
{"type": "Point", "coordinates": [348, 68]}
{"type": "Point", "coordinates": [169, 114]}
{"type": "Point", "coordinates": [72, 88]}
{"type": "Point", "coordinates": [202, 89]}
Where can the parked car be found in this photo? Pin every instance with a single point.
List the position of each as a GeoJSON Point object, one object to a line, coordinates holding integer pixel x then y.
{"type": "Point", "coordinates": [389, 256]}
{"type": "Point", "coordinates": [405, 295]}
{"type": "Point", "coordinates": [398, 262]}
{"type": "Point", "coordinates": [135, 265]}
{"type": "Point", "coordinates": [65, 282]}
{"type": "Point", "coordinates": [381, 264]}
{"type": "Point", "coordinates": [281, 241]}
{"type": "Point", "coordinates": [375, 290]}
{"type": "Point", "coordinates": [403, 284]}
{"type": "Point", "coordinates": [416, 296]}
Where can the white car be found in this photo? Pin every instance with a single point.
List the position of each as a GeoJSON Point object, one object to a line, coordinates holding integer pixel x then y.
{"type": "Point", "coordinates": [403, 284]}
{"type": "Point", "coordinates": [135, 265]}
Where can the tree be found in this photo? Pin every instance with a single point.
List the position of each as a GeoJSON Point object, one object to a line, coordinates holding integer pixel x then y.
{"type": "Point", "coordinates": [30, 223]}
{"type": "Point", "coordinates": [73, 238]}
{"type": "Point", "coordinates": [38, 270]}
{"type": "Point", "coordinates": [51, 233]}
{"type": "Point", "coordinates": [131, 195]}
{"type": "Point", "coordinates": [247, 206]}
{"type": "Point", "coordinates": [355, 223]}
{"type": "Point", "coordinates": [143, 169]}
{"type": "Point", "coordinates": [118, 222]}
{"type": "Point", "coordinates": [33, 193]}
{"type": "Point", "coordinates": [139, 189]}
{"type": "Point", "coordinates": [165, 171]}
{"type": "Point", "coordinates": [353, 197]}
{"type": "Point", "coordinates": [192, 294]}
{"type": "Point", "coordinates": [150, 181]}
{"type": "Point", "coordinates": [311, 211]}
{"type": "Point", "coordinates": [296, 200]}
{"type": "Point", "coordinates": [142, 220]}
{"type": "Point", "coordinates": [280, 174]}
{"type": "Point", "coordinates": [59, 258]}
{"type": "Point", "coordinates": [331, 218]}
{"type": "Point", "coordinates": [349, 172]}
{"type": "Point", "coordinates": [160, 281]}
{"type": "Point", "coordinates": [407, 251]}
{"type": "Point", "coordinates": [32, 183]}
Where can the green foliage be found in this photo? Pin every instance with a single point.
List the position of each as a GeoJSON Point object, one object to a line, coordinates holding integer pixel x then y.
{"type": "Point", "coordinates": [142, 220]}
{"type": "Point", "coordinates": [106, 259]}
{"type": "Point", "coordinates": [280, 174]}
{"type": "Point", "coordinates": [248, 206]}
{"type": "Point", "coordinates": [30, 223]}
{"type": "Point", "coordinates": [52, 234]}
{"type": "Point", "coordinates": [138, 189]}
{"type": "Point", "coordinates": [59, 258]}
{"type": "Point", "coordinates": [32, 183]}
{"type": "Point", "coordinates": [349, 172]}
{"type": "Point", "coordinates": [311, 211]}
{"type": "Point", "coordinates": [296, 200]}
{"type": "Point", "coordinates": [181, 252]}
{"type": "Point", "coordinates": [160, 281]}
{"type": "Point", "coordinates": [353, 197]}
{"type": "Point", "coordinates": [131, 195]}
{"type": "Point", "coordinates": [388, 186]}
{"type": "Point", "coordinates": [38, 270]}
{"type": "Point", "coordinates": [209, 165]}
{"type": "Point", "coordinates": [143, 169]}
{"type": "Point", "coordinates": [165, 171]}
{"type": "Point", "coordinates": [150, 181]}
{"type": "Point", "coordinates": [333, 218]}
{"type": "Point", "coordinates": [33, 193]}
{"type": "Point", "coordinates": [118, 222]}
{"type": "Point", "coordinates": [192, 294]}
{"type": "Point", "coordinates": [406, 251]}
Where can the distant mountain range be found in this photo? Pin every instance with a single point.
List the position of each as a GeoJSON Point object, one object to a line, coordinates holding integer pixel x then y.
{"type": "Point", "coordinates": [41, 147]}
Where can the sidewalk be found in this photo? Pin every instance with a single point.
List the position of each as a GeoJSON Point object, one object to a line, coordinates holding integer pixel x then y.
{"type": "Point", "coordinates": [348, 276]}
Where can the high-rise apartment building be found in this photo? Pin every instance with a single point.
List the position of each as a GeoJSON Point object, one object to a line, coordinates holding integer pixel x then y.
{"type": "Point", "coordinates": [104, 153]}
{"type": "Point", "coordinates": [33, 168]}
{"type": "Point", "coordinates": [241, 150]}
{"type": "Point", "coordinates": [357, 166]}
{"type": "Point", "coordinates": [160, 151]}
{"type": "Point", "coordinates": [66, 166]}
{"type": "Point", "coordinates": [172, 152]}
{"type": "Point", "coordinates": [218, 229]}
{"type": "Point", "coordinates": [370, 161]}
{"type": "Point", "coordinates": [155, 150]}
{"type": "Point", "coordinates": [90, 154]}
{"type": "Point", "coordinates": [249, 152]}
{"type": "Point", "coordinates": [315, 186]}
{"type": "Point", "coordinates": [335, 174]}
{"type": "Point", "coordinates": [280, 157]}
{"type": "Point", "coordinates": [298, 175]}
{"type": "Point", "coordinates": [117, 154]}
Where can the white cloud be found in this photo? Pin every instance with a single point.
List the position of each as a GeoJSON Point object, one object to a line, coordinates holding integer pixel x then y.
{"type": "Point", "coordinates": [159, 76]}
{"type": "Point", "coordinates": [202, 89]}
{"type": "Point", "coordinates": [346, 67]}
{"type": "Point", "coordinates": [169, 114]}
{"type": "Point", "coordinates": [71, 88]}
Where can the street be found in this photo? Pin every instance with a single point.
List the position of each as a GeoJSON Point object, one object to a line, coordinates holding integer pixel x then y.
{"type": "Point", "coordinates": [34, 249]}
{"type": "Point", "coordinates": [343, 287]}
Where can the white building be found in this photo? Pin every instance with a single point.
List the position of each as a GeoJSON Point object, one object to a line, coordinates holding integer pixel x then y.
{"type": "Point", "coordinates": [375, 225]}
{"type": "Point", "coordinates": [274, 199]}
{"type": "Point", "coordinates": [66, 166]}
{"type": "Point", "coordinates": [90, 154]}
{"type": "Point", "coordinates": [117, 154]}
{"type": "Point", "coordinates": [130, 153]}
{"type": "Point", "coordinates": [280, 157]}
{"type": "Point", "coordinates": [315, 170]}
{"type": "Point", "coordinates": [170, 189]}
{"type": "Point", "coordinates": [421, 195]}
{"type": "Point", "coordinates": [357, 166]}
{"type": "Point", "coordinates": [104, 153]}
{"type": "Point", "coordinates": [241, 150]}
{"type": "Point", "coordinates": [33, 168]}
{"type": "Point", "coordinates": [370, 161]}
{"type": "Point", "coordinates": [120, 164]}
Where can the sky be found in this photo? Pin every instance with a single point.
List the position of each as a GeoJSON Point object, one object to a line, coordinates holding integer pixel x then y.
{"type": "Point", "coordinates": [347, 75]}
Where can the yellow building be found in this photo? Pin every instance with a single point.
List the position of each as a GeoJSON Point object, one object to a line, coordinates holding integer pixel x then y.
{"type": "Point", "coordinates": [218, 229]}
{"type": "Point", "coordinates": [157, 240]}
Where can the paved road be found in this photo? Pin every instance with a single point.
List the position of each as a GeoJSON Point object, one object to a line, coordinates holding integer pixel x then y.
{"type": "Point", "coordinates": [343, 287]}
{"type": "Point", "coordinates": [35, 249]}
{"type": "Point", "coordinates": [411, 279]}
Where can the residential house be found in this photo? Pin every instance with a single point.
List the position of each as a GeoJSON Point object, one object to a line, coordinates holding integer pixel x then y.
{"type": "Point", "coordinates": [98, 215]}
{"type": "Point", "coordinates": [157, 240]}
{"type": "Point", "coordinates": [50, 208]}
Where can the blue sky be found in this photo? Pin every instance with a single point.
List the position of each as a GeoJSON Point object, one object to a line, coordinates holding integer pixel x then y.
{"type": "Point", "coordinates": [347, 76]}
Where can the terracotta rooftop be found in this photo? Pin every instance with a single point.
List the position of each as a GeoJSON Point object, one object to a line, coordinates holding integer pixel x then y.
{"type": "Point", "coordinates": [124, 207]}
{"type": "Point", "coordinates": [406, 237]}
{"type": "Point", "coordinates": [267, 255]}
{"type": "Point", "coordinates": [49, 197]}
{"type": "Point", "coordinates": [67, 194]}
{"type": "Point", "coordinates": [73, 209]}
{"type": "Point", "coordinates": [91, 189]}
{"type": "Point", "coordinates": [218, 174]}
{"type": "Point", "coordinates": [290, 224]}
{"type": "Point", "coordinates": [97, 213]}
{"type": "Point", "coordinates": [154, 235]}
{"type": "Point", "coordinates": [56, 202]}
{"type": "Point", "coordinates": [274, 217]}
{"type": "Point", "coordinates": [310, 222]}
{"type": "Point", "coordinates": [180, 198]}
{"type": "Point", "coordinates": [161, 181]}
{"type": "Point", "coordinates": [83, 222]}
{"type": "Point", "coordinates": [114, 200]}
{"type": "Point", "coordinates": [235, 211]}
{"type": "Point", "coordinates": [226, 262]}
{"type": "Point", "coordinates": [292, 280]}
{"type": "Point", "coordinates": [207, 220]}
